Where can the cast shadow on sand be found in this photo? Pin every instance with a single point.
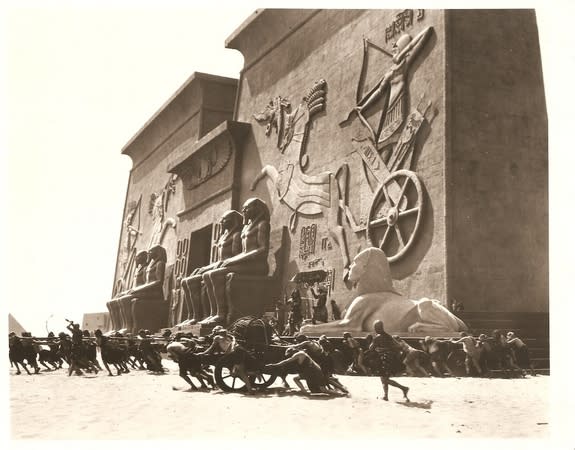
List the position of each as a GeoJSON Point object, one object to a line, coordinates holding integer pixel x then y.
{"type": "Point", "coordinates": [421, 405]}
{"type": "Point", "coordinates": [283, 392]}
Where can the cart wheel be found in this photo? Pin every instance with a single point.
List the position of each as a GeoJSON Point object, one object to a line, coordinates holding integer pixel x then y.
{"type": "Point", "coordinates": [395, 215]}
{"type": "Point", "coordinates": [265, 381]}
{"type": "Point", "coordinates": [226, 381]}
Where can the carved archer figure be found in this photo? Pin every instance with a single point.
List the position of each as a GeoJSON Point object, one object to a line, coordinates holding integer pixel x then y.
{"type": "Point", "coordinates": [392, 87]}
{"type": "Point", "coordinates": [229, 244]}
{"type": "Point", "coordinates": [252, 260]}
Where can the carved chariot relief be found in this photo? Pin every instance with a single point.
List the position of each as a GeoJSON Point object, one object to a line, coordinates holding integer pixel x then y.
{"type": "Point", "coordinates": [395, 214]}
{"type": "Point", "coordinates": [308, 195]}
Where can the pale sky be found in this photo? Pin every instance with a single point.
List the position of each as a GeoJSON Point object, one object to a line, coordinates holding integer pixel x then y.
{"type": "Point", "coordinates": [79, 81]}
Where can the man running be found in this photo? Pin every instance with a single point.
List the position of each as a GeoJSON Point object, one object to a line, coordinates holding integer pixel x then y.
{"type": "Point", "coordinates": [387, 350]}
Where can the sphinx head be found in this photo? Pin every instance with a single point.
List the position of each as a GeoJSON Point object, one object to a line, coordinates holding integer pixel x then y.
{"type": "Point", "coordinates": [370, 271]}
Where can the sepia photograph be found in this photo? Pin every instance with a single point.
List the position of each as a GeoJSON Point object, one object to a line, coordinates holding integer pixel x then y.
{"type": "Point", "coordinates": [281, 224]}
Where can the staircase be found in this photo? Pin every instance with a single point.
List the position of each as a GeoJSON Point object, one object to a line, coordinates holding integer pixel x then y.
{"type": "Point", "coordinates": [532, 328]}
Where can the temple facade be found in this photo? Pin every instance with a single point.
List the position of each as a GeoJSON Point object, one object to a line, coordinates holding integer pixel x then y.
{"type": "Point", "coordinates": [421, 132]}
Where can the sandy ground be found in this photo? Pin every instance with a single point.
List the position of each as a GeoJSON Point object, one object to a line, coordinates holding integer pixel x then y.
{"type": "Point", "coordinates": [140, 405]}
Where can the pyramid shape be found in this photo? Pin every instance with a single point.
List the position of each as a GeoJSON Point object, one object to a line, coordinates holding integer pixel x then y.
{"type": "Point", "coordinates": [14, 325]}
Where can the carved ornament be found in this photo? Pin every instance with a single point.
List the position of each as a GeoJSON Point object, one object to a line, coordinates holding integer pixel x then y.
{"type": "Point", "coordinates": [207, 162]}
{"type": "Point", "coordinates": [396, 211]}
{"type": "Point", "coordinates": [304, 194]}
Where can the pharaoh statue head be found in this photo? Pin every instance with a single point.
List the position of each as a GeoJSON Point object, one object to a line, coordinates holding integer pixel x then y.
{"type": "Point", "coordinates": [158, 253]}
{"type": "Point", "coordinates": [231, 220]}
{"type": "Point", "coordinates": [255, 210]}
{"type": "Point", "coordinates": [141, 258]}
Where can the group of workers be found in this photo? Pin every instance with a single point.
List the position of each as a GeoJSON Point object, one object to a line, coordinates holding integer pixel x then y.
{"type": "Point", "coordinates": [312, 361]}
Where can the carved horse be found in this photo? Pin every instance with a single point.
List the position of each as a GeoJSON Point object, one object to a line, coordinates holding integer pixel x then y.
{"type": "Point", "coordinates": [308, 195]}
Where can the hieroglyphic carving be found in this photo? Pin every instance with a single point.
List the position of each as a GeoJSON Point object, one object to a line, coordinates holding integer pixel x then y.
{"type": "Point", "coordinates": [315, 262]}
{"type": "Point", "coordinates": [307, 241]}
{"type": "Point", "coordinates": [402, 22]}
{"type": "Point", "coordinates": [157, 208]}
{"type": "Point", "coordinates": [325, 244]}
{"type": "Point", "coordinates": [180, 269]}
{"type": "Point", "coordinates": [304, 194]}
{"type": "Point", "coordinates": [330, 281]}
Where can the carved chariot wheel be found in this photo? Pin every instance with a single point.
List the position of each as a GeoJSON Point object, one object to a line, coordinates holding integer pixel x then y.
{"type": "Point", "coordinates": [395, 214]}
{"type": "Point", "coordinates": [227, 381]}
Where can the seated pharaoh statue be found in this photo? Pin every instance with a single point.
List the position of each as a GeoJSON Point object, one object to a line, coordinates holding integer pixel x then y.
{"type": "Point", "coordinates": [229, 244]}
{"type": "Point", "coordinates": [378, 300]}
{"type": "Point", "coordinates": [121, 306]}
{"type": "Point", "coordinates": [252, 260]}
{"type": "Point", "coordinates": [149, 310]}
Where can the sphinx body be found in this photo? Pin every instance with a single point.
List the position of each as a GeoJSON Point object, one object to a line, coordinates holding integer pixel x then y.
{"type": "Point", "coordinates": [378, 300]}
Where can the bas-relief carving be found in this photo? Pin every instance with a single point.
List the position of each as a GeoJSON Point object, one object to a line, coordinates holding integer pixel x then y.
{"type": "Point", "coordinates": [394, 216]}
{"type": "Point", "coordinates": [129, 249]}
{"type": "Point", "coordinates": [402, 22]}
{"type": "Point", "coordinates": [304, 194]}
{"type": "Point", "coordinates": [391, 88]}
{"type": "Point", "coordinates": [157, 208]}
{"type": "Point", "coordinates": [177, 300]}
{"type": "Point", "coordinates": [377, 299]}
{"type": "Point", "coordinates": [206, 163]}
{"type": "Point", "coordinates": [307, 241]}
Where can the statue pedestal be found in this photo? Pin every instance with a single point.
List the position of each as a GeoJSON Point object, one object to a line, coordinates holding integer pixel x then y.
{"type": "Point", "coordinates": [149, 315]}
{"type": "Point", "coordinates": [249, 295]}
{"type": "Point", "coordinates": [197, 329]}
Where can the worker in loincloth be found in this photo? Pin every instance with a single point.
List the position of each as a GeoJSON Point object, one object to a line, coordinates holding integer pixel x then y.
{"type": "Point", "coordinates": [236, 356]}
{"type": "Point", "coordinates": [387, 351]}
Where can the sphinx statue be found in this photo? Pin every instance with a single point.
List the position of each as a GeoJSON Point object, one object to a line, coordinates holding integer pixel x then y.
{"type": "Point", "coordinates": [229, 244]}
{"type": "Point", "coordinates": [148, 299]}
{"type": "Point", "coordinates": [121, 306]}
{"type": "Point", "coordinates": [252, 260]}
{"type": "Point", "coordinates": [378, 300]}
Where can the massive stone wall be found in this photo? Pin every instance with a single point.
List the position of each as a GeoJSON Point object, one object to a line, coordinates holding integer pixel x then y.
{"type": "Point", "coordinates": [467, 145]}
{"type": "Point", "coordinates": [328, 45]}
{"type": "Point", "coordinates": [497, 181]}
{"type": "Point", "coordinates": [155, 196]}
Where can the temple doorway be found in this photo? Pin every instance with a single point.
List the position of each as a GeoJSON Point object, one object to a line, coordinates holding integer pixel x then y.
{"type": "Point", "coordinates": [200, 248]}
